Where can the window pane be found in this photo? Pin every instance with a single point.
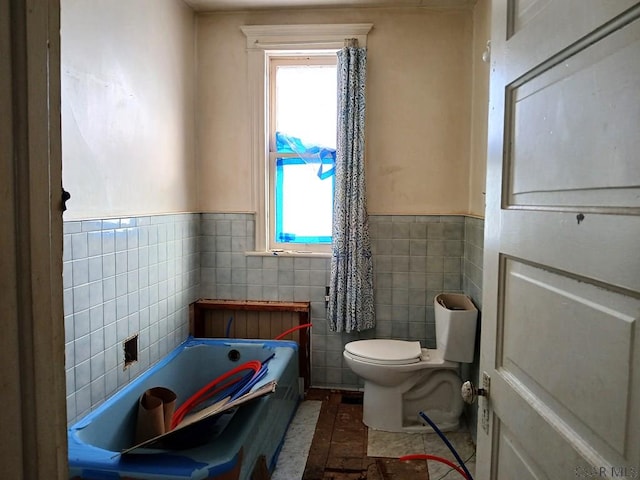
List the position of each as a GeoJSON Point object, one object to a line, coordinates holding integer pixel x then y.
{"type": "Point", "coordinates": [306, 103]}
{"type": "Point", "coordinates": [304, 203]}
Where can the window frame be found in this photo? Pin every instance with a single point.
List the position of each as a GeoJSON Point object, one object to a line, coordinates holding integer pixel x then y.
{"type": "Point", "coordinates": [311, 57]}
{"type": "Point", "coordinates": [263, 42]}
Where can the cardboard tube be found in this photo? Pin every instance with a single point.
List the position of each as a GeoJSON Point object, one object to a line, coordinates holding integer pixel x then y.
{"type": "Point", "coordinates": [155, 410]}
{"type": "Point", "coordinates": [168, 404]}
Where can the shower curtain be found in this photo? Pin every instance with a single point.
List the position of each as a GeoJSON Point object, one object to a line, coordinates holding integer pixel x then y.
{"type": "Point", "coordinates": [351, 305]}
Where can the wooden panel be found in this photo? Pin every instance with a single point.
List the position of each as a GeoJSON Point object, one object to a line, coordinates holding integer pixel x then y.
{"type": "Point", "coordinates": [263, 320]}
{"type": "Point", "coordinates": [566, 146]}
{"type": "Point", "coordinates": [33, 443]}
{"type": "Point", "coordinates": [587, 383]}
{"type": "Point", "coordinates": [260, 305]}
{"type": "Point", "coordinates": [249, 324]}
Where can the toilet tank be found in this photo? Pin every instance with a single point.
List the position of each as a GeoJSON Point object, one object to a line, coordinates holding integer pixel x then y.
{"type": "Point", "coordinates": [456, 320]}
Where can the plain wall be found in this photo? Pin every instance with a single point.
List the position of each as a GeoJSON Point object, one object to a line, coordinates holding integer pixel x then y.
{"type": "Point", "coordinates": [479, 108]}
{"type": "Point", "coordinates": [419, 83]}
{"type": "Point", "coordinates": [128, 78]}
{"type": "Point", "coordinates": [131, 258]}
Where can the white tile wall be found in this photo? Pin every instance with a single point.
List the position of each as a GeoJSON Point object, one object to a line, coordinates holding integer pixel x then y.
{"type": "Point", "coordinates": [138, 275]}
{"type": "Point", "coordinates": [123, 277]}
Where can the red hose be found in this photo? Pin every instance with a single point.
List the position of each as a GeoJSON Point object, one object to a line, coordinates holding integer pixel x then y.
{"type": "Point", "coordinates": [217, 390]}
{"type": "Point", "coordinates": [284, 334]}
{"type": "Point", "coordinates": [204, 393]}
{"type": "Point", "coordinates": [424, 456]}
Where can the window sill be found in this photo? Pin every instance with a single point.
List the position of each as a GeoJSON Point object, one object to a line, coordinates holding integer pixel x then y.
{"type": "Point", "coordinates": [289, 253]}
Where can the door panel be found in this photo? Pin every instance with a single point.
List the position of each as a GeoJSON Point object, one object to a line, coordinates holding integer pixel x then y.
{"type": "Point", "coordinates": [514, 462]}
{"type": "Point", "coordinates": [523, 12]}
{"type": "Point", "coordinates": [547, 27]}
{"type": "Point", "coordinates": [560, 333]}
{"type": "Point", "coordinates": [553, 114]}
{"type": "Point", "coordinates": [600, 247]}
{"type": "Point", "coordinates": [586, 384]}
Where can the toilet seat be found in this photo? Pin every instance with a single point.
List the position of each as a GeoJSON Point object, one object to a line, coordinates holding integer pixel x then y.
{"type": "Point", "coordinates": [386, 351]}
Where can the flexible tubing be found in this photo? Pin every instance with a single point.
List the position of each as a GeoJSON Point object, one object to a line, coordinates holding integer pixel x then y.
{"type": "Point", "coordinates": [259, 369]}
{"type": "Point", "coordinates": [222, 388]}
{"type": "Point", "coordinates": [249, 385]}
{"type": "Point", "coordinates": [424, 456]}
{"type": "Point", "coordinates": [245, 384]}
{"type": "Point", "coordinates": [195, 400]}
{"type": "Point", "coordinates": [228, 329]}
{"type": "Point", "coordinates": [299, 327]}
{"type": "Point", "coordinates": [447, 443]}
{"type": "Point", "coordinates": [197, 397]}
{"type": "Point", "coordinates": [255, 379]}
{"type": "Point", "coordinates": [223, 391]}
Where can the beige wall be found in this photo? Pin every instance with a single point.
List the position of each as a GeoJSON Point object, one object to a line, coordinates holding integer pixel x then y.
{"type": "Point", "coordinates": [479, 108]}
{"type": "Point", "coordinates": [129, 126]}
{"type": "Point", "coordinates": [128, 118]}
{"type": "Point", "coordinates": [418, 107]}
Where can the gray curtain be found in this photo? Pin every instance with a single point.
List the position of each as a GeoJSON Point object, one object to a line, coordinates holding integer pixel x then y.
{"type": "Point", "coordinates": [351, 304]}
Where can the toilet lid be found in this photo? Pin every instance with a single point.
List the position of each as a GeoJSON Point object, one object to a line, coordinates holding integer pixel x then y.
{"type": "Point", "coordinates": [390, 352]}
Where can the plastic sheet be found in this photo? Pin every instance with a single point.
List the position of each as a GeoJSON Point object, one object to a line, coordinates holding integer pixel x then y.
{"type": "Point", "coordinates": [323, 157]}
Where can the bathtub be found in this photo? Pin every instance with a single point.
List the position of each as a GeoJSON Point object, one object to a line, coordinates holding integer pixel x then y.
{"type": "Point", "coordinates": [238, 441]}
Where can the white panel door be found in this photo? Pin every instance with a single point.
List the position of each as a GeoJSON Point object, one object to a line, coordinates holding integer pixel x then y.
{"type": "Point", "coordinates": [560, 333]}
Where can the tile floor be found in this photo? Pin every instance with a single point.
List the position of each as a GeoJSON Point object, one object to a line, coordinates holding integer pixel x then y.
{"type": "Point", "coordinates": [328, 441]}
{"type": "Point", "coordinates": [297, 442]}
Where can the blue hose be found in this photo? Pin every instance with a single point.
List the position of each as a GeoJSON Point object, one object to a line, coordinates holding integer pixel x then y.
{"type": "Point", "coordinates": [447, 443]}
{"type": "Point", "coordinates": [230, 391]}
{"type": "Point", "coordinates": [259, 375]}
{"type": "Point", "coordinates": [229, 322]}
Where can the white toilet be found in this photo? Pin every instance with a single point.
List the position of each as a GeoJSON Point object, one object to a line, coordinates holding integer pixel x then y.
{"type": "Point", "coordinates": [401, 378]}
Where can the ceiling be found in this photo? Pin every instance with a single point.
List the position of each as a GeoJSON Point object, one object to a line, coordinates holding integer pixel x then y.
{"type": "Point", "coordinates": [218, 5]}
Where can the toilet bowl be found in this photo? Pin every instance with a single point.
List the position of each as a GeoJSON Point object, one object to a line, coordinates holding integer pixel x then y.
{"type": "Point", "coordinates": [402, 379]}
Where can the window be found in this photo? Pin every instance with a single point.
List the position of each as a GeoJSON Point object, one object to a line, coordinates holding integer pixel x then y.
{"type": "Point", "coordinates": [293, 131]}
{"type": "Point", "coordinates": [302, 141]}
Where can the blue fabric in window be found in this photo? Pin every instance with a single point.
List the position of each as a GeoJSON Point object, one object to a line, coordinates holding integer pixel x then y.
{"type": "Point", "coordinates": [325, 157]}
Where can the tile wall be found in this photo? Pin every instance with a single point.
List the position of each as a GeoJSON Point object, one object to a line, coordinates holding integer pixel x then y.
{"type": "Point", "coordinates": [121, 277]}
{"type": "Point", "coordinates": [415, 257]}
{"type": "Point", "coordinates": [472, 260]}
